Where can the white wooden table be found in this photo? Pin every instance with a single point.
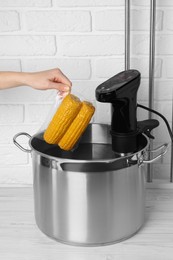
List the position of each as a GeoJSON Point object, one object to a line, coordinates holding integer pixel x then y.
{"type": "Point", "coordinates": [20, 239]}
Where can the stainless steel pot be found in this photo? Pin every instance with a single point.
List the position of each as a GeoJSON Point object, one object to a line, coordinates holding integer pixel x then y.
{"type": "Point", "coordinates": [89, 196]}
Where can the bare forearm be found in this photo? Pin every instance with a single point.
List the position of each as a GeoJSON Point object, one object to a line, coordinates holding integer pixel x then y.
{"type": "Point", "coordinates": [49, 79]}
{"type": "Point", "coordinates": [12, 79]}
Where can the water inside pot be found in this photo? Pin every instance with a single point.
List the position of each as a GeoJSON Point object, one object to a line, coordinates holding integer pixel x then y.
{"type": "Point", "coordinates": [95, 144]}
{"type": "Point", "coordinates": [84, 151]}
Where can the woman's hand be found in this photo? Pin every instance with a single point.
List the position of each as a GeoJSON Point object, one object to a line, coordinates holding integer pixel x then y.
{"type": "Point", "coordinates": [43, 80]}
{"type": "Point", "coordinates": [49, 79]}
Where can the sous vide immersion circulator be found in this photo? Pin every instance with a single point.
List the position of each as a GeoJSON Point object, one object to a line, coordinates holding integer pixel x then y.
{"type": "Point", "coordinates": [121, 92]}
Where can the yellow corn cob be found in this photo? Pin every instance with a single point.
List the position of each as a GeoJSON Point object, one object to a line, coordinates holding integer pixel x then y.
{"type": "Point", "coordinates": [62, 119]}
{"type": "Point", "coordinates": [77, 127]}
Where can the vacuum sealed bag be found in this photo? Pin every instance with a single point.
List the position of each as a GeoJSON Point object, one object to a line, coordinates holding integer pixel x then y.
{"type": "Point", "coordinates": [51, 113]}
{"type": "Point", "coordinates": [67, 120]}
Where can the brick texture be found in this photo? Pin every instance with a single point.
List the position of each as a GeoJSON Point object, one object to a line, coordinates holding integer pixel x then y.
{"type": "Point", "coordinates": [25, 3]}
{"type": "Point", "coordinates": [109, 67]}
{"type": "Point", "coordinates": [27, 95]}
{"type": "Point", "coordinates": [164, 44]}
{"type": "Point", "coordinates": [61, 21]}
{"type": "Point", "coordinates": [27, 45]}
{"type": "Point", "coordinates": [73, 68]}
{"type": "Point", "coordinates": [76, 3]}
{"type": "Point", "coordinates": [37, 113]}
{"type": "Point", "coordinates": [103, 20]}
{"type": "Point", "coordinates": [11, 114]}
{"type": "Point", "coordinates": [168, 21]}
{"type": "Point", "coordinates": [10, 64]}
{"type": "Point", "coordinates": [9, 21]}
{"type": "Point", "coordinates": [7, 132]}
{"type": "Point", "coordinates": [10, 155]}
{"type": "Point", "coordinates": [92, 45]}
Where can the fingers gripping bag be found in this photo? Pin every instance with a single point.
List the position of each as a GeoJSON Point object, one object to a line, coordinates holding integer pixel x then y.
{"type": "Point", "coordinates": [67, 121]}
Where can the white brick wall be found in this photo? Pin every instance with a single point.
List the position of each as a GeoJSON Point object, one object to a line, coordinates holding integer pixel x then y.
{"type": "Point", "coordinates": [92, 45]}
{"type": "Point", "coordinates": [25, 3]}
{"type": "Point", "coordinates": [90, 3]}
{"type": "Point", "coordinates": [86, 40]}
{"type": "Point", "coordinates": [107, 67]}
{"type": "Point", "coordinates": [58, 21]}
{"type": "Point", "coordinates": [9, 21]}
{"type": "Point", "coordinates": [34, 45]}
{"type": "Point", "coordinates": [10, 64]}
{"type": "Point", "coordinates": [11, 114]}
{"type": "Point", "coordinates": [73, 68]}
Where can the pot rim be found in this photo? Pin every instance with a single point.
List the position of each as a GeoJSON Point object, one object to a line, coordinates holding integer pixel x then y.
{"type": "Point", "coordinates": [65, 160]}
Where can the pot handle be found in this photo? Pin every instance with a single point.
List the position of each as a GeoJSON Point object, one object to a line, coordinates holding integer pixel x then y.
{"type": "Point", "coordinates": [18, 145]}
{"type": "Point", "coordinates": [164, 149]}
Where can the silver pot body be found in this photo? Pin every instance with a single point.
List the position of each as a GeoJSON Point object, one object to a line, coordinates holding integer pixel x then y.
{"type": "Point", "coordinates": [89, 202]}
{"type": "Point", "coordinates": [88, 208]}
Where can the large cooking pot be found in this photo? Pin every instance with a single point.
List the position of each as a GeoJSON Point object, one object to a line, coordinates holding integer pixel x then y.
{"type": "Point", "coordinates": [89, 196]}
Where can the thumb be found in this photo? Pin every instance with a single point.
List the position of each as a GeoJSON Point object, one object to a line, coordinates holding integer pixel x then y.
{"type": "Point", "coordinates": [59, 86]}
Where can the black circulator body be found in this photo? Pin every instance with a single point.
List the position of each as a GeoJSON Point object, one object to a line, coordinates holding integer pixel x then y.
{"type": "Point", "coordinates": [121, 92]}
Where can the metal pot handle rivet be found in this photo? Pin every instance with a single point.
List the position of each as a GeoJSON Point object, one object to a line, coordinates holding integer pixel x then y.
{"type": "Point", "coordinates": [163, 147]}
{"type": "Point", "coordinates": [56, 165]}
{"type": "Point", "coordinates": [20, 146]}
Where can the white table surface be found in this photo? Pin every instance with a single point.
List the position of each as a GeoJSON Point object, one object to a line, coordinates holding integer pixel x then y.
{"type": "Point", "coordinates": [20, 239]}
